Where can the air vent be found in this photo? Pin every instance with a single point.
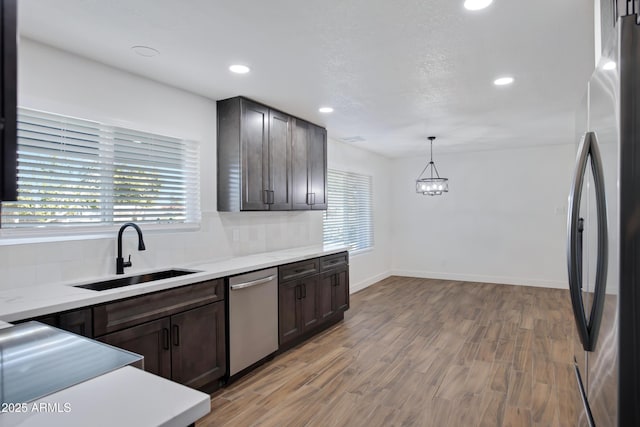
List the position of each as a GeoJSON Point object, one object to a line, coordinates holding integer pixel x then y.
{"type": "Point", "coordinates": [352, 139]}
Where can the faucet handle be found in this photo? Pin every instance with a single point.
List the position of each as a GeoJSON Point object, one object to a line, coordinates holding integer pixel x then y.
{"type": "Point", "coordinates": [128, 262]}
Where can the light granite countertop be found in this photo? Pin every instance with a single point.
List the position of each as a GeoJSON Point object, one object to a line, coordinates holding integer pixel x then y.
{"type": "Point", "coordinates": [33, 301]}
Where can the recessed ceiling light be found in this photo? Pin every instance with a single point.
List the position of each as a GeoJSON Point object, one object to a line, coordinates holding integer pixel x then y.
{"type": "Point", "coordinates": [502, 81]}
{"type": "Point", "coordinates": [609, 65]}
{"type": "Point", "coordinates": [325, 109]}
{"type": "Point", "coordinates": [477, 4]}
{"type": "Point", "coordinates": [145, 51]}
{"type": "Point", "coordinates": [239, 69]}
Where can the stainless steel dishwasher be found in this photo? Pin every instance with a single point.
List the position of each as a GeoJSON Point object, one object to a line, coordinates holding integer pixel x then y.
{"type": "Point", "coordinates": [253, 318]}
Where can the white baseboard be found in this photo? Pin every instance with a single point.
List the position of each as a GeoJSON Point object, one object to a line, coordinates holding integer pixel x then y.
{"type": "Point", "coordinates": [483, 279]}
{"type": "Point", "coordinates": [353, 288]}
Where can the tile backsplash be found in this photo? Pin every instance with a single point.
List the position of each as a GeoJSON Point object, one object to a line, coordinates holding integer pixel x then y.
{"type": "Point", "coordinates": [221, 235]}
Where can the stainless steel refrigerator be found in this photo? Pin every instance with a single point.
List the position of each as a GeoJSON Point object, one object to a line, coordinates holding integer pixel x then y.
{"type": "Point", "coordinates": [603, 250]}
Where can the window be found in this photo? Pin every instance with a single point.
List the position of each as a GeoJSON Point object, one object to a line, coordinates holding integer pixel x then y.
{"type": "Point", "coordinates": [348, 218]}
{"type": "Point", "coordinates": [80, 172]}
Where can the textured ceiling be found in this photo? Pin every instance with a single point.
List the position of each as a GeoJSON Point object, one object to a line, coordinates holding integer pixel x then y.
{"type": "Point", "coordinates": [394, 71]}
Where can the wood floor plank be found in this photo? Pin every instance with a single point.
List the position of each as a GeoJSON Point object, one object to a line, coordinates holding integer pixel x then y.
{"type": "Point", "coordinates": [517, 417]}
{"type": "Point", "coordinates": [420, 352]}
{"type": "Point", "coordinates": [478, 376]}
{"type": "Point", "coordinates": [500, 374]}
{"type": "Point", "coordinates": [470, 416]}
{"type": "Point", "coordinates": [492, 412]}
{"type": "Point", "coordinates": [543, 409]}
{"type": "Point", "coordinates": [452, 385]}
{"type": "Point", "coordinates": [520, 389]}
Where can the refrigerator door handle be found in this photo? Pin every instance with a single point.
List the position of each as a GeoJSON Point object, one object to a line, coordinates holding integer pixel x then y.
{"type": "Point", "coordinates": [602, 260]}
{"type": "Point", "coordinates": [580, 246]}
{"type": "Point", "coordinates": [574, 247]}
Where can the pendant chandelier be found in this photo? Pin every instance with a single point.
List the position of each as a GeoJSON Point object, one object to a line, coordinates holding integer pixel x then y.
{"type": "Point", "coordinates": [432, 184]}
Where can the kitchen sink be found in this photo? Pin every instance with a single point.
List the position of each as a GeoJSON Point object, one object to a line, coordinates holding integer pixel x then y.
{"type": "Point", "coordinates": [135, 280]}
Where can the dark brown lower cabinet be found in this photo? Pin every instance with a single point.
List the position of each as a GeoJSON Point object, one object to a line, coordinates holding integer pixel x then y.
{"type": "Point", "coordinates": [299, 307]}
{"type": "Point", "coordinates": [341, 290]}
{"type": "Point", "coordinates": [198, 355]}
{"type": "Point", "coordinates": [288, 311]}
{"type": "Point", "coordinates": [334, 289]}
{"type": "Point", "coordinates": [319, 298]}
{"type": "Point", "coordinates": [188, 347]}
{"type": "Point", "coordinates": [78, 321]}
{"type": "Point", "coordinates": [310, 300]}
{"type": "Point", "coordinates": [150, 340]}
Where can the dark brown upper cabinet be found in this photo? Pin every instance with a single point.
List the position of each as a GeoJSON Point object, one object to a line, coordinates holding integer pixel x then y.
{"type": "Point", "coordinates": [309, 166]}
{"type": "Point", "coordinates": [255, 165]}
{"type": "Point", "coordinates": [8, 100]}
{"type": "Point", "coordinates": [254, 157]}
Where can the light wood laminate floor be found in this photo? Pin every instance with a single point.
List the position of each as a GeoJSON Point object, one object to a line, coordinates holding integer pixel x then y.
{"type": "Point", "coordinates": [420, 352]}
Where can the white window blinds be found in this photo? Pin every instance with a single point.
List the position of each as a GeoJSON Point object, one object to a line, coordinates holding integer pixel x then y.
{"type": "Point", "coordinates": [79, 172]}
{"type": "Point", "coordinates": [348, 219]}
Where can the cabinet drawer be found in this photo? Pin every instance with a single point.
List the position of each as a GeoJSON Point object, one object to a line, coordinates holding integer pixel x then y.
{"type": "Point", "coordinates": [298, 270]}
{"type": "Point", "coordinates": [331, 262]}
{"type": "Point", "coordinates": [134, 311]}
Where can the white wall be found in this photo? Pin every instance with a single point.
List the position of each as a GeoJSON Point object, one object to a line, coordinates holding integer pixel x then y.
{"type": "Point", "coordinates": [503, 220]}
{"type": "Point", "coordinates": [514, 235]}
{"type": "Point", "coordinates": [56, 81]}
{"type": "Point", "coordinates": [370, 266]}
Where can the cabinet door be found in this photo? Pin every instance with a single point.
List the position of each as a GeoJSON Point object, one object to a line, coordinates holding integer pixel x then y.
{"type": "Point", "coordinates": [289, 318]}
{"type": "Point", "coordinates": [198, 354]}
{"type": "Point", "coordinates": [254, 152]}
{"type": "Point", "coordinates": [8, 100]}
{"type": "Point", "coordinates": [327, 304]}
{"type": "Point", "coordinates": [79, 322]}
{"type": "Point", "coordinates": [310, 302]}
{"type": "Point", "coordinates": [341, 290]}
{"type": "Point", "coordinates": [318, 168]}
{"type": "Point", "coordinates": [150, 340]}
{"type": "Point", "coordinates": [300, 165]}
{"type": "Point", "coordinates": [279, 161]}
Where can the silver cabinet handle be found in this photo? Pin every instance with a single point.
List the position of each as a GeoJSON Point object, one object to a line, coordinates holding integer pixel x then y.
{"type": "Point", "coordinates": [252, 283]}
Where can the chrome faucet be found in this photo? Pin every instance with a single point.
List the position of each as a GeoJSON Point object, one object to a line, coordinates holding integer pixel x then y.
{"type": "Point", "coordinates": [120, 262]}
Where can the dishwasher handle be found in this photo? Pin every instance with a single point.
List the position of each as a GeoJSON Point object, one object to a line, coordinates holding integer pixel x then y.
{"type": "Point", "coordinates": [252, 283]}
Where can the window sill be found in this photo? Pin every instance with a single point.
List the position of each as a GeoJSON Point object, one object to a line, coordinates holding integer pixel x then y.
{"type": "Point", "coordinates": [61, 234]}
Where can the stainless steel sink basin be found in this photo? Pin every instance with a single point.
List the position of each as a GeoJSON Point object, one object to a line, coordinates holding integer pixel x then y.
{"type": "Point", "coordinates": [134, 280]}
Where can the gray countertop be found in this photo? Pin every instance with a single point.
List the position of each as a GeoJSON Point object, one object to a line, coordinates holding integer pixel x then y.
{"type": "Point", "coordinates": [37, 360]}
{"type": "Point", "coordinates": [52, 377]}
